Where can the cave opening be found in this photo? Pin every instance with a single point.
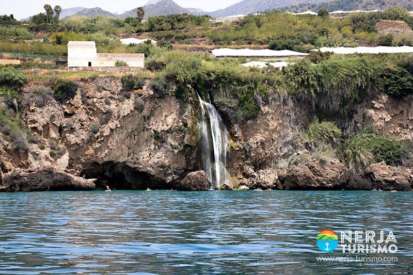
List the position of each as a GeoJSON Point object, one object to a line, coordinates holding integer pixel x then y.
{"type": "Point", "coordinates": [120, 176]}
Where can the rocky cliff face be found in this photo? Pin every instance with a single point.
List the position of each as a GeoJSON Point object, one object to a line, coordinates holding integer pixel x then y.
{"type": "Point", "coordinates": [136, 139]}
{"type": "Point", "coordinates": [128, 138]}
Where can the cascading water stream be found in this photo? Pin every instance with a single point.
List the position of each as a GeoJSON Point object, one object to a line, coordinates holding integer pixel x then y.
{"type": "Point", "coordinates": [214, 144]}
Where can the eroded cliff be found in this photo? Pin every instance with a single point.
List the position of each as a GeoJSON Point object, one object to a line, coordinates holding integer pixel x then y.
{"type": "Point", "coordinates": [139, 139]}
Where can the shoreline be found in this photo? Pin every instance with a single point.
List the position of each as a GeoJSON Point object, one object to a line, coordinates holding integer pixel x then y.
{"type": "Point", "coordinates": [376, 179]}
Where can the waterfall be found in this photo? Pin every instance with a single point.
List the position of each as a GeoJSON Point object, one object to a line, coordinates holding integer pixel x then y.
{"type": "Point", "coordinates": [214, 143]}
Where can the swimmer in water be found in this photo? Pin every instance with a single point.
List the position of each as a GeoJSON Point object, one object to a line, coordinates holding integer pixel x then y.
{"type": "Point", "coordinates": [108, 189]}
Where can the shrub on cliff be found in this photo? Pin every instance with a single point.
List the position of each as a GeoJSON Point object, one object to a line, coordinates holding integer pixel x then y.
{"type": "Point", "coordinates": [324, 132]}
{"type": "Point", "coordinates": [64, 90]}
{"type": "Point", "coordinates": [334, 86]}
{"type": "Point", "coordinates": [132, 82]}
{"type": "Point", "coordinates": [366, 148]}
{"type": "Point", "coordinates": [11, 127]}
{"type": "Point", "coordinates": [397, 82]}
{"type": "Point", "coordinates": [38, 96]}
{"type": "Point", "coordinates": [12, 78]}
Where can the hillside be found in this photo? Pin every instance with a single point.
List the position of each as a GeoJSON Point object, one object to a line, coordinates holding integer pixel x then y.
{"type": "Point", "coordinates": [348, 5]}
{"type": "Point", "coordinates": [70, 12]}
{"type": "Point", "coordinates": [252, 6]}
{"type": "Point", "coordinates": [157, 8]}
{"type": "Point", "coordinates": [95, 12]}
{"type": "Point", "coordinates": [169, 7]}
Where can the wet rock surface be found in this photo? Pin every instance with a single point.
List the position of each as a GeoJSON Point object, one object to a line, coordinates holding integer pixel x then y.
{"type": "Point", "coordinates": [388, 178]}
{"type": "Point", "coordinates": [43, 180]}
{"type": "Point", "coordinates": [314, 175]}
{"type": "Point", "coordinates": [194, 181]}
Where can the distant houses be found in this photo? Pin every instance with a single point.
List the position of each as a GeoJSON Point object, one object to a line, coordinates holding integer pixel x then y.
{"type": "Point", "coordinates": [84, 54]}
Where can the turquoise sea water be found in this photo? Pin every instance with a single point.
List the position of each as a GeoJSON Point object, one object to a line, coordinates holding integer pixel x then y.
{"type": "Point", "coordinates": [166, 232]}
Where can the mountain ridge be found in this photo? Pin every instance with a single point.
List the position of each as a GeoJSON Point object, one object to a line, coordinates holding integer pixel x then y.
{"type": "Point", "coordinates": [348, 5]}
{"type": "Point", "coordinates": [244, 7]}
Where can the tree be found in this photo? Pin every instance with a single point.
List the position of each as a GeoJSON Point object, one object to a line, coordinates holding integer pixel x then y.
{"type": "Point", "coordinates": [323, 13]}
{"type": "Point", "coordinates": [49, 13]}
{"type": "Point", "coordinates": [8, 20]}
{"type": "Point", "coordinates": [57, 11]}
{"type": "Point", "coordinates": [140, 14]}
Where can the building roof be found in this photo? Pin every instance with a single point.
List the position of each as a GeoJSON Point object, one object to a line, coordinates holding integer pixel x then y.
{"type": "Point", "coordinates": [254, 53]}
{"type": "Point", "coordinates": [368, 50]}
{"type": "Point", "coordinates": [78, 44]}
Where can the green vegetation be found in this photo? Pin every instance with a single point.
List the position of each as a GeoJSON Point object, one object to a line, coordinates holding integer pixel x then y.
{"type": "Point", "coordinates": [366, 148]}
{"type": "Point", "coordinates": [33, 48]}
{"type": "Point", "coordinates": [175, 22]}
{"type": "Point", "coordinates": [224, 82]}
{"type": "Point", "coordinates": [8, 20]}
{"type": "Point", "coordinates": [13, 129]}
{"type": "Point", "coordinates": [397, 81]}
{"type": "Point", "coordinates": [64, 90]}
{"type": "Point", "coordinates": [47, 21]}
{"type": "Point", "coordinates": [366, 22]}
{"type": "Point", "coordinates": [277, 30]}
{"type": "Point", "coordinates": [120, 63]}
{"type": "Point", "coordinates": [11, 78]}
{"type": "Point", "coordinates": [15, 33]}
{"type": "Point", "coordinates": [132, 82]}
{"type": "Point", "coordinates": [324, 132]}
{"type": "Point", "coordinates": [335, 85]}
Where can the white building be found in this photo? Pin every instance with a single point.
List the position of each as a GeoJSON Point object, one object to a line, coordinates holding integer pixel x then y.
{"type": "Point", "coordinates": [136, 41]}
{"type": "Point", "coordinates": [81, 53]}
{"type": "Point", "coordinates": [84, 54]}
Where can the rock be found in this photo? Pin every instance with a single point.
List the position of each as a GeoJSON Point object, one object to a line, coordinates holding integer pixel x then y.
{"type": "Point", "coordinates": [389, 178]}
{"type": "Point", "coordinates": [314, 175]}
{"type": "Point", "coordinates": [266, 179]}
{"type": "Point", "coordinates": [355, 181]}
{"type": "Point", "coordinates": [386, 115]}
{"type": "Point", "coordinates": [43, 180]}
{"type": "Point", "coordinates": [243, 188]}
{"type": "Point", "coordinates": [195, 181]}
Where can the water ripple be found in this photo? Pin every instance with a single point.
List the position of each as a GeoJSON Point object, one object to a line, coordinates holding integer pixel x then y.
{"type": "Point", "coordinates": [173, 232]}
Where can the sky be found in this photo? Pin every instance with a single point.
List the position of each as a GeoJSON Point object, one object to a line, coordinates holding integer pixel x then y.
{"type": "Point", "coordinates": [25, 8]}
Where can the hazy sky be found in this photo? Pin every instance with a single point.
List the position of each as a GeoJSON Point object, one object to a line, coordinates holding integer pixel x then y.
{"type": "Point", "coordinates": [26, 8]}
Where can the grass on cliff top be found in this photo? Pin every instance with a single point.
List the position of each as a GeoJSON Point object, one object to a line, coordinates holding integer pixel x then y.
{"type": "Point", "coordinates": [367, 147]}
{"type": "Point", "coordinates": [336, 85]}
{"type": "Point", "coordinates": [224, 82]}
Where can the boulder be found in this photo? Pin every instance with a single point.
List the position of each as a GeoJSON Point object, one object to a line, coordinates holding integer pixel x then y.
{"type": "Point", "coordinates": [314, 175]}
{"type": "Point", "coordinates": [263, 179]}
{"type": "Point", "coordinates": [43, 180]}
{"type": "Point", "coordinates": [195, 181]}
{"type": "Point", "coordinates": [390, 178]}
